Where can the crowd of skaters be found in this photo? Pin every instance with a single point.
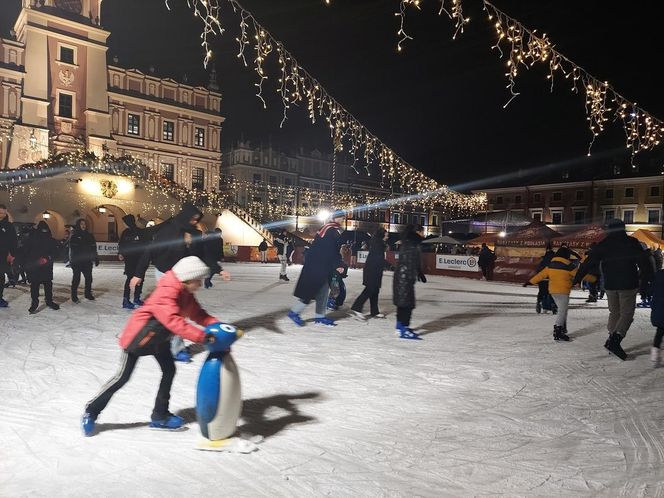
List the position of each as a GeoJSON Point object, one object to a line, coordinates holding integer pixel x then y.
{"type": "Point", "coordinates": [619, 267]}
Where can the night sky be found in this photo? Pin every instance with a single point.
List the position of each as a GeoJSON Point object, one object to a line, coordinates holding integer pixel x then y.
{"type": "Point", "coordinates": [439, 103]}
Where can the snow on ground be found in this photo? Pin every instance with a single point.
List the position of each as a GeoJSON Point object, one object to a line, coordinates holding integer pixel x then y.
{"type": "Point", "coordinates": [486, 404]}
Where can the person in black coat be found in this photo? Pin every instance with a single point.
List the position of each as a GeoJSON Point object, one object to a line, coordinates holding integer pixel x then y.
{"type": "Point", "coordinates": [82, 253]}
{"type": "Point", "coordinates": [621, 258]}
{"type": "Point", "coordinates": [39, 252]}
{"type": "Point", "coordinates": [372, 276]}
{"type": "Point", "coordinates": [486, 261]}
{"type": "Point", "coordinates": [132, 244]}
{"type": "Point", "coordinates": [214, 251]}
{"type": "Point", "coordinates": [657, 317]}
{"type": "Point", "coordinates": [544, 299]}
{"type": "Point", "coordinates": [7, 249]}
{"type": "Point", "coordinates": [173, 240]}
{"type": "Point", "coordinates": [407, 272]}
{"type": "Point", "coordinates": [322, 260]}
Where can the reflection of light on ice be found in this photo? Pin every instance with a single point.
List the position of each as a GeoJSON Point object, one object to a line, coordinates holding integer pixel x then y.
{"type": "Point", "coordinates": [486, 403]}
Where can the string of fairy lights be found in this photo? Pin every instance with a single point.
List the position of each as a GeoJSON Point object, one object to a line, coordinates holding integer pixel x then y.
{"type": "Point", "coordinates": [296, 87]}
{"type": "Point", "coordinates": [264, 200]}
{"type": "Point", "coordinates": [523, 48]}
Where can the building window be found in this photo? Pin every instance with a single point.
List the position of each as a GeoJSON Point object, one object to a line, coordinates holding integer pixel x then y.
{"type": "Point", "coordinates": [580, 194]}
{"type": "Point", "coordinates": [168, 171]}
{"type": "Point", "coordinates": [579, 217]}
{"type": "Point", "coordinates": [169, 131]}
{"type": "Point", "coordinates": [499, 199]}
{"type": "Point", "coordinates": [395, 218]}
{"type": "Point", "coordinates": [629, 192]}
{"type": "Point", "coordinates": [288, 181]}
{"type": "Point", "coordinates": [423, 220]}
{"type": "Point", "coordinates": [653, 216]}
{"type": "Point", "coordinates": [628, 216]}
{"type": "Point", "coordinates": [557, 196]}
{"type": "Point", "coordinates": [273, 180]}
{"type": "Point", "coordinates": [65, 105]}
{"type": "Point", "coordinates": [609, 214]}
{"type": "Point", "coordinates": [67, 55]}
{"type": "Point", "coordinates": [133, 124]}
{"type": "Point", "coordinates": [608, 193]}
{"type": "Point", "coordinates": [199, 137]}
{"type": "Point", "coordinates": [537, 197]}
{"type": "Point", "coordinates": [557, 217]}
{"type": "Point", "coordinates": [434, 220]}
{"type": "Point", "coordinates": [257, 178]}
{"type": "Point", "coordinates": [517, 199]}
{"type": "Point", "coordinates": [654, 191]}
{"type": "Point", "coordinates": [198, 178]}
{"type": "Point", "coordinates": [537, 215]}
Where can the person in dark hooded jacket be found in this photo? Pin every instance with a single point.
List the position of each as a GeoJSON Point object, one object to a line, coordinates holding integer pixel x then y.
{"type": "Point", "coordinates": [39, 252]}
{"type": "Point", "coordinates": [132, 244]}
{"type": "Point", "coordinates": [8, 244]}
{"type": "Point", "coordinates": [322, 260]}
{"type": "Point", "coordinates": [83, 253]}
{"type": "Point", "coordinates": [407, 272]}
{"type": "Point", "coordinates": [621, 258]}
{"type": "Point", "coordinates": [372, 276]}
{"type": "Point", "coordinates": [173, 240]}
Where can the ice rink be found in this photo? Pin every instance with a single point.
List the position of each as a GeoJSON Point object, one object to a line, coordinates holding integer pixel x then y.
{"type": "Point", "coordinates": [486, 404]}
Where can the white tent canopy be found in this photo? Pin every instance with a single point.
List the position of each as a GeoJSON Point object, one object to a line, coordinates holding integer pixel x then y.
{"type": "Point", "coordinates": [443, 239]}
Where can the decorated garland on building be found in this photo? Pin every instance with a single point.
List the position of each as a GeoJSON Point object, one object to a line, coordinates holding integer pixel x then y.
{"type": "Point", "coordinates": [276, 201]}
{"type": "Point", "coordinates": [296, 87]}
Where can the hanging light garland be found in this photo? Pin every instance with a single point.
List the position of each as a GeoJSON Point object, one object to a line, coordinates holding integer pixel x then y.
{"type": "Point", "coordinates": [524, 48]}
{"type": "Point", "coordinates": [296, 87]}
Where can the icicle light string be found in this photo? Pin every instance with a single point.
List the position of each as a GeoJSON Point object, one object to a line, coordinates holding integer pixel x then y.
{"type": "Point", "coordinates": [296, 86]}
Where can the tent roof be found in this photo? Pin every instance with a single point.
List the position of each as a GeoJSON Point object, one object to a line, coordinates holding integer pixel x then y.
{"type": "Point", "coordinates": [582, 238]}
{"type": "Point", "coordinates": [488, 238]}
{"type": "Point", "coordinates": [648, 238]}
{"type": "Point", "coordinates": [537, 234]}
{"type": "Point", "coordinates": [443, 239]}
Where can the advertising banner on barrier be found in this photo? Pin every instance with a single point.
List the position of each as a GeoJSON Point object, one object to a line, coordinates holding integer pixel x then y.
{"type": "Point", "coordinates": [362, 256]}
{"type": "Point", "coordinates": [107, 248]}
{"type": "Point", "coordinates": [459, 263]}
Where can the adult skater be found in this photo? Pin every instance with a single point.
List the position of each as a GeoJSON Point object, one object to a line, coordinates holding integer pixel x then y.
{"type": "Point", "coordinates": [646, 277]}
{"type": "Point", "coordinates": [82, 253]}
{"type": "Point", "coordinates": [39, 252]}
{"type": "Point", "coordinates": [544, 300]}
{"type": "Point", "coordinates": [657, 317]}
{"type": "Point", "coordinates": [486, 262]}
{"type": "Point", "coordinates": [147, 333]}
{"type": "Point", "coordinates": [7, 249]}
{"type": "Point", "coordinates": [173, 240]}
{"type": "Point", "coordinates": [262, 250]}
{"type": "Point", "coordinates": [214, 251]}
{"type": "Point", "coordinates": [322, 260]}
{"type": "Point", "coordinates": [132, 244]}
{"type": "Point", "coordinates": [621, 258]}
{"type": "Point", "coordinates": [560, 272]}
{"type": "Point", "coordinates": [372, 277]}
{"type": "Point", "coordinates": [282, 243]}
{"type": "Point", "coordinates": [407, 273]}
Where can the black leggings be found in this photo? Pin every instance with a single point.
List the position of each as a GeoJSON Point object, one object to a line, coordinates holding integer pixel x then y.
{"type": "Point", "coordinates": [403, 315]}
{"type": "Point", "coordinates": [86, 270]}
{"type": "Point", "coordinates": [127, 289]}
{"type": "Point", "coordinates": [127, 364]}
{"type": "Point", "coordinates": [372, 296]}
{"type": "Point", "coordinates": [658, 337]}
{"type": "Point", "coordinates": [48, 290]}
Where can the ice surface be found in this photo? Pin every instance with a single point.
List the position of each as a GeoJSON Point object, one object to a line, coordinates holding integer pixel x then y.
{"type": "Point", "coordinates": [486, 404]}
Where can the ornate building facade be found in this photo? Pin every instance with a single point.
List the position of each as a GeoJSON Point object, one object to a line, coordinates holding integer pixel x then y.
{"type": "Point", "coordinates": [58, 94]}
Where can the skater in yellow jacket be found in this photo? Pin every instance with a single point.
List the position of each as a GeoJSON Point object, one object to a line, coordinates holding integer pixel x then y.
{"type": "Point", "coordinates": [561, 272]}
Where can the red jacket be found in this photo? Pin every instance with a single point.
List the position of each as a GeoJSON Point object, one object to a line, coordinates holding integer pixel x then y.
{"type": "Point", "coordinates": [163, 314]}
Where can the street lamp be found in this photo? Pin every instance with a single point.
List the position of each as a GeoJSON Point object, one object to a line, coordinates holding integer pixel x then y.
{"type": "Point", "coordinates": [46, 215]}
{"type": "Point", "coordinates": [503, 233]}
{"type": "Point", "coordinates": [101, 209]}
{"type": "Point", "coordinates": [323, 215]}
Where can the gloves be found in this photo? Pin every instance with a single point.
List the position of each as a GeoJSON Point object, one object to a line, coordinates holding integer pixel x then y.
{"type": "Point", "coordinates": [96, 262]}
{"type": "Point", "coordinates": [422, 278]}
